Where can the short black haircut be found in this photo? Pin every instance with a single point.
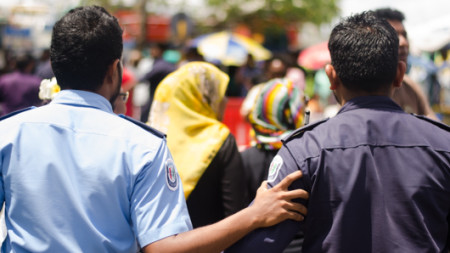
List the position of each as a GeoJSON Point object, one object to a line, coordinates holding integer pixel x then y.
{"type": "Point", "coordinates": [390, 14]}
{"type": "Point", "coordinates": [364, 52]}
{"type": "Point", "coordinates": [84, 43]}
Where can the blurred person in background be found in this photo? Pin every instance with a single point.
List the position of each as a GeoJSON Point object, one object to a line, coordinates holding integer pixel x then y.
{"type": "Point", "coordinates": [297, 75]}
{"type": "Point", "coordinates": [276, 67]}
{"type": "Point", "coordinates": [20, 89]}
{"type": "Point", "coordinates": [160, 69]}
{"type": "Point", "coordinates": [128, 84]}
{"type": "Point", "coordinates": [44, 67]}
{"type": "Point", "coordinates": [135, 67]}
{"type": "Point", "coordinates": [279, 110]}
{"type": "Point", "coordinates": [7, 61]}
{"type": "Point", "coordinates": [322, 104]}
{"type": "Point", "coordinates": [190, 54]}
{"type": "Point", "coordinates": [135, 62]}
{"type": "Point", "coordinates": [409, 95]}
{"type": "Point", "coordinates": [248, 75]}
{"type": "Point", "coordinates": [188, 106]}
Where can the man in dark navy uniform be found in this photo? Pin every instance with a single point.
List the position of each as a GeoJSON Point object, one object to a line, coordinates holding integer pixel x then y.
{"type": "Point", "coordinates": [378, 178]}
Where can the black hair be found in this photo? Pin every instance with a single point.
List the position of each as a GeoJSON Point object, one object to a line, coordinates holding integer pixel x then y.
{"type": "Point", "coordinates": [84, 43]}
{"type": "Point", "coordinates": [364, 52]}
{"type": "Point", "coordinates": [23, 61]}
{"type": "Point", "coordinates": [161, 46]}
{"type": "Point", "coordinates": [390, 14]}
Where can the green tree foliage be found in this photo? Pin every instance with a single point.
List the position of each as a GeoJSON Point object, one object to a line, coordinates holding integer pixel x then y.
{"type": "Point", "coordinates": [110, 5]}
{"type": "Point", "coordinates": [104, 3]}
{"type": "Point", "coordinates": [276, 13]}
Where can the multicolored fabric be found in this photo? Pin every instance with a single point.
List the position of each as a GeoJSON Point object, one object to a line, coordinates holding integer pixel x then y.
{"type": "Point", "coordinates": [187, 107]}
{"type": "Point", "coordinates": [278, 110]}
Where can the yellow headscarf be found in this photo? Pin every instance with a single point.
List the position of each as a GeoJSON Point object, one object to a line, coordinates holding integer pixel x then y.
{"type": "Point", "coordinates": [186, 107]}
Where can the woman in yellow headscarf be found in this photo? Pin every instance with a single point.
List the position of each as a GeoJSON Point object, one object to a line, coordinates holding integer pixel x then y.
{"type": "Point", "coordinates": [188, 106]}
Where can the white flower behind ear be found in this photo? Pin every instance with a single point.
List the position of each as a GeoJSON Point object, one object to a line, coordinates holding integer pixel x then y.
{"type": "Point", "coordinates": [48, 89]}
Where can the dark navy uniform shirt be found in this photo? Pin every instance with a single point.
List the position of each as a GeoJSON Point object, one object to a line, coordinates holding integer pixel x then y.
{"type": "Point", "coordinates": [378, 178]}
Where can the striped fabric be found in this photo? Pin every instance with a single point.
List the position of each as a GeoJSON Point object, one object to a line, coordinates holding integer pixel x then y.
{"type": "Point", "coordinates": [278, 110]}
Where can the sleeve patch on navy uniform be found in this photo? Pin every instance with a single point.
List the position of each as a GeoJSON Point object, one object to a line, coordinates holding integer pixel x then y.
{"type": "Point", "coordinates": [275, 166]}
{"type": "Point", "coordinates": [171, 175]}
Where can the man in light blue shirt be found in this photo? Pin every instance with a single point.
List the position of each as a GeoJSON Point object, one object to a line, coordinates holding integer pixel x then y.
{"type": "Point", "coordinates": [75, 177]}
{"type": "Point", "coordinates": [88, 177]}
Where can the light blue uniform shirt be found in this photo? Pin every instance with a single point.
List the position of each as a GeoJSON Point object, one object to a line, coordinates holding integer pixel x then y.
{"type": "Point", "coordinates": [75, 177]}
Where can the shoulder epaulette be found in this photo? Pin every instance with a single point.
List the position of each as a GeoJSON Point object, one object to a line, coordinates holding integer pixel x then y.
{"type": "Point", "coordinates": [9, 115]}
{"type": "Point", "coordinates": [144, 126]}
{"type": "Point", "coordinates": [434, 122]}
{"type": "Point", "coordinates": [303, 129]}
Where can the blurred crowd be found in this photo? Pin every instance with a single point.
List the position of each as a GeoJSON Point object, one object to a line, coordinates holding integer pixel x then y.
{"type": "Point", "coordinates": [145, 69]}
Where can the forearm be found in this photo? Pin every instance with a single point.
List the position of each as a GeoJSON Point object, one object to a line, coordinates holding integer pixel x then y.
{"type": "Point", "coordinates": [270, 207]}
{"type": "Point", "coordinates": [211, 238]}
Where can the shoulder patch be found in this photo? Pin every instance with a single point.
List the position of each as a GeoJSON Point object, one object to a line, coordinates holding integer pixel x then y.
{"type": "Point", "coordinates": [303, 129]}
{"type": "Point", "coordinates": [171, 175]}
{"type": "Point", "coordinates": [9, 115]}
{"type": "Point", "coordinates": [144, 126]}
{"type": "Point", "coordinates": [274, 167]}
{"type": "Point", "coordinates": [436, 123]}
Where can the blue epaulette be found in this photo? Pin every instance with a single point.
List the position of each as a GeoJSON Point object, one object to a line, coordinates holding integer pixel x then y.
{"type": "Point", "coordinates": [436, 123]}
{"type": "Point", "coordinates": [303, 129]}
{"type": "Point", "coordinates": [144, 126]}
{"type": "Point", "coordinates": [9, 115]}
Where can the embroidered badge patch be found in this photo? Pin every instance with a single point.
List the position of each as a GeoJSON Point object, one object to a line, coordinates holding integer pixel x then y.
{"type": "Point", "coordinates": [171, 175]}
{"type": "Point", "coordinates": [275, 166]}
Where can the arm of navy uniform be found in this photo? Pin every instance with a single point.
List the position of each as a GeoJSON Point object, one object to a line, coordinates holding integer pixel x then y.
{"type": "Point", "coordinates": [276, 238]}
{"type": "Point", "coordinates": [447, 128]}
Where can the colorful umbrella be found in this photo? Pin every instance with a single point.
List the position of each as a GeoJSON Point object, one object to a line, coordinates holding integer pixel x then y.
{"type": "Point", "coordinates": [230, 48]}
{"type": "Point", "coordinates": [315, 57]}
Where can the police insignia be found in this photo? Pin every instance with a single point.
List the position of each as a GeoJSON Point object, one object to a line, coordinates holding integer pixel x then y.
{"type": "Point", "coordinates": [275, 166]}
{"type": "Point", "coordinates": [171, 175]}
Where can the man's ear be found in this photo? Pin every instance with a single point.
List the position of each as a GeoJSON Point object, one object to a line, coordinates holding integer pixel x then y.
{"type": "Point", "coordinates": [401, 69]}
{"type": "Point", "coordinates": [113, 68]}
{"type": "Point", "coordinates": [332, 76]}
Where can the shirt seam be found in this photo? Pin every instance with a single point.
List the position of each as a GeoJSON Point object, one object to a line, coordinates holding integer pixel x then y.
{"type": "Point", "coordinates": [371, 145]}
